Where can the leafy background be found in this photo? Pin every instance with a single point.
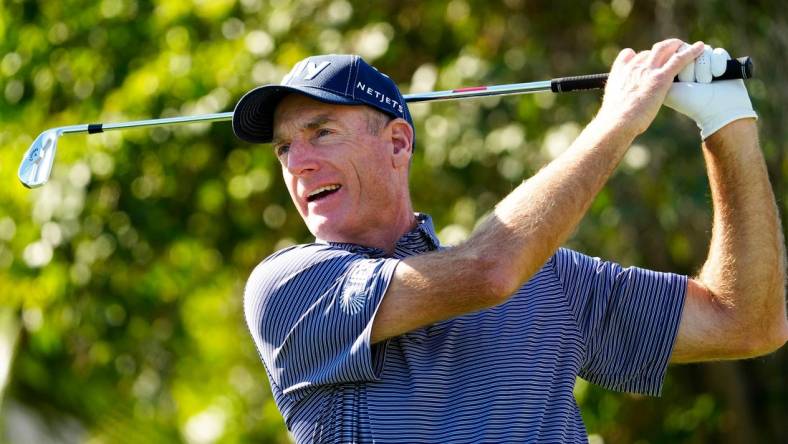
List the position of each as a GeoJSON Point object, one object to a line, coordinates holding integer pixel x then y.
{"type": "Point", "coordinates": [121, 279]}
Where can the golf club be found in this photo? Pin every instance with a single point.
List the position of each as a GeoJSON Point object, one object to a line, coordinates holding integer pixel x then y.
{"type": "Point", "coordinates": [37, 163]}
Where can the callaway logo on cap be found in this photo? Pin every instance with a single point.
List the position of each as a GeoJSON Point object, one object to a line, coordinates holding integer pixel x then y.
{"type": "Point", "coordinates": [337, 79]}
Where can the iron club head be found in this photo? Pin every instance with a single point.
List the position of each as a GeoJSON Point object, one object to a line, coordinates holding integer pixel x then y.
{"type": "Point", "coordinates": [37, 164]}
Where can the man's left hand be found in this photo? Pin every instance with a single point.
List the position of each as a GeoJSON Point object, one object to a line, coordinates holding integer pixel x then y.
{"type": "Point", "coordinates": [711, 105]}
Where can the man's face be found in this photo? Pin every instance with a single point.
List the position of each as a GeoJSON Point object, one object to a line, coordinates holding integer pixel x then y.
{"type": "Point", "coordinates": [340, 174]}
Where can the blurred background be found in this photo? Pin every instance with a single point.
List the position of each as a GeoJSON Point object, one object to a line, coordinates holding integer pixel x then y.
{"type": "Point", "coordinates": [121, 280]}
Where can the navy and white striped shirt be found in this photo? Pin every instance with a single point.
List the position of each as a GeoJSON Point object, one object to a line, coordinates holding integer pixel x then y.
{"type": "Point", "coordinates": [504, 374]}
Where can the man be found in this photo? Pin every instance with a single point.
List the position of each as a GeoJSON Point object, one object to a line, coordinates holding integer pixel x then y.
{"type": "Point", "coordinates": [374, 333]}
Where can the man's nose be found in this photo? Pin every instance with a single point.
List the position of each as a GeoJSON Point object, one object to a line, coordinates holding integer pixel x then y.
{"type": "Point", "coordinates": [301, 158]}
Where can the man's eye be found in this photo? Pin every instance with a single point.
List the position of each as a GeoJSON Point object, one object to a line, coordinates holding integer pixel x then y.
{"type": "Point", "coordinates": [281, 150]}
{"type": "Point", "coordinates": [323, 132]}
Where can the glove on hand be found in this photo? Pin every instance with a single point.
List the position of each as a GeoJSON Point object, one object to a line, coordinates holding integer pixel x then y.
{"type": "Point", "coordinates": [711, 104]}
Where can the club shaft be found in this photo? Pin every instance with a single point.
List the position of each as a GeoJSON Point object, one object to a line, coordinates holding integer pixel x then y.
{"type": "Point", "coordinates": [433, 96]}
{"type": "Point", "coordinates": [736, 69]}
{"type": "Point", "coordinates": [479, 91]}
{"type": "Point", "coordinates": [216, 117]}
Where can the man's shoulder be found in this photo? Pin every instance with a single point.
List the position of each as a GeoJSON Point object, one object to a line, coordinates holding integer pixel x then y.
{"type": "Point", "coordinates": [295, 258]}
{"type": "Point", "coordinates": [299, 250]}
{"type": "Point", "coordinates": [314, 264]}
{"type": "Point", "coordinates": [292, 270]}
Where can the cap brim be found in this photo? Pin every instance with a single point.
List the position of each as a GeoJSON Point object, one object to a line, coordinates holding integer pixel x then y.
{"type": "Point", "coordinates": [253, 117]}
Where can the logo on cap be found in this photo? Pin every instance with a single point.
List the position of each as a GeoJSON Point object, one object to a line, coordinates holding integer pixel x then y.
{"type": "Point", "coordinates": [312, 70]}
{"type": "Point", "coordinates": [380, 97]}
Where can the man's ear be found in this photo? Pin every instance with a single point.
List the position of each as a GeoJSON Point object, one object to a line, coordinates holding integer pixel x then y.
{"type": "Point", "coordinates": [401, 142]}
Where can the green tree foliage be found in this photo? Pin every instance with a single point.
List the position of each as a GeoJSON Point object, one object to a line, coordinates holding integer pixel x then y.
{"type": "Point", "coordinates": [121, 280]}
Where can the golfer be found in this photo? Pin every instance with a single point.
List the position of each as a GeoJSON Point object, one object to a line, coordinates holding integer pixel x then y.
{"type": "Point", "coordinates": [377, 333]}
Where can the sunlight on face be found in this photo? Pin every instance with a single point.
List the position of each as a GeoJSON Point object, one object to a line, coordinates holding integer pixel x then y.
{"type": "Point", "coordinates": [340, 174]}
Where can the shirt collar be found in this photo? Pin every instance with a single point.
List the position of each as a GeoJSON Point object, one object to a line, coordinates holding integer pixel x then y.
{"type": "Point", "coordinates": [420, 239]}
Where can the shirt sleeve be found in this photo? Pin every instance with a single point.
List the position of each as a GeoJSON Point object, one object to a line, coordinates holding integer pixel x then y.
{"type": "Point", "coordinates": [628, 317]}
{"type": "Point", "coordinates": [310, 310]}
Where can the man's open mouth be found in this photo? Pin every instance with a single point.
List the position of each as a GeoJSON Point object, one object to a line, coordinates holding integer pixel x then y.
{"type": "Point", "coordinates": [322, 192]}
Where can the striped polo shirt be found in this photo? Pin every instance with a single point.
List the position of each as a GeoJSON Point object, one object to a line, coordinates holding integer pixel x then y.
{"type": "Point", "coordinates": [503, 374]}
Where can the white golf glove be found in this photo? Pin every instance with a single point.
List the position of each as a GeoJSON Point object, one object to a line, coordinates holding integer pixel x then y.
{"type": "Point", "coordinates": [711, 104]}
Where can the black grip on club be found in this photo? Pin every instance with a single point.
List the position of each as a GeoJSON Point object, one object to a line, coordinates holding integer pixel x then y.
{"type": "Point", "coordinates": [578, 83]}
{"type": "Point", "coordinates": [740, 68]}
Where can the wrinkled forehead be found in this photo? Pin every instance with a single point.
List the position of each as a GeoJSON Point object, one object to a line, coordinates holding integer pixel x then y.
{"type": "Point", "coordinates": [297, 112]}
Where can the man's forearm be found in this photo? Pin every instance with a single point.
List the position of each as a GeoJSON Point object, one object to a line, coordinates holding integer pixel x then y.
{"type": "Point", "coordinates": [745, 269]}
{"type": "Point", "coordinates": [538, 216]}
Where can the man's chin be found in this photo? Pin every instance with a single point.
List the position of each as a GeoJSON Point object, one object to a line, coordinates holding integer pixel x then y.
{"type": "Point", "coordinates": [324, 228]}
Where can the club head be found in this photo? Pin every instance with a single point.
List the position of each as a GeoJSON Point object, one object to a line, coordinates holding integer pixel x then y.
{"type": "Point", "coordinates": [37, 164]}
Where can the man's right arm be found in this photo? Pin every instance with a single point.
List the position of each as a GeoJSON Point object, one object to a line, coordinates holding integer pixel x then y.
{"type": "Point", "coordinates": [529, 225]}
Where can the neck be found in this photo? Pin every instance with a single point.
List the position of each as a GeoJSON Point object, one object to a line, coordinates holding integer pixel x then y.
{"type": "Point", "coordinates": [405, 222]}
{"type": "Point", "coordinates": [385, 237]}
{"type": "Point", "coordinates": [382, 236]}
